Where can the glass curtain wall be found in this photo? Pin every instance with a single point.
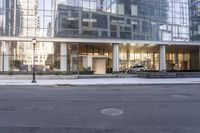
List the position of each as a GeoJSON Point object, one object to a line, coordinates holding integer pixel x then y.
{"type": "Point", "coordinates": [154, 20]}
{"type": "Point", "coordinates": [146, 56]}
{"type": "Point", "coordinates": [18, 56]}
{"type": "Point", "coordinates": [178, 58]}
{"type": "Point", "coordinates": [178, 61]}
{"type": "Point", "coordinates": [182, 58]}
{"type": "Point", "coordinates": [195, 20]}
{"type": "Point", "coordinates": [56, 57]}
{"type": "Point", "coordinates": [163, 20]}
{"type": "Point", "coordinates": [95, 57]}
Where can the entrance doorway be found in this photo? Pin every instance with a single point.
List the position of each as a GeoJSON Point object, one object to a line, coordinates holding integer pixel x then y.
{"type": "Point", "coordinates": [99, 65]}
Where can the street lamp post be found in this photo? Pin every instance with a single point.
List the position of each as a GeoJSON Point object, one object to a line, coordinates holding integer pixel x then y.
{"type": "Point", "coordinates": [34, 41]}
{"type": "Point", "coordinates": [3, 61]}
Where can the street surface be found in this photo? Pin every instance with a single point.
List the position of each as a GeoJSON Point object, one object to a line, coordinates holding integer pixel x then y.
{"type": "Point", "coordinates": [100, 109]}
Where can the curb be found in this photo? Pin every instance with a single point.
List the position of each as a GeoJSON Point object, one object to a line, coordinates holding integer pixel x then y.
{"type": "Point", "coordinates": [126, 84]}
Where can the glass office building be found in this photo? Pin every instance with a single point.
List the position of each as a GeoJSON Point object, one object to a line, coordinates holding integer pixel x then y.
{"type": "Point", "coordinates": [100, 35]}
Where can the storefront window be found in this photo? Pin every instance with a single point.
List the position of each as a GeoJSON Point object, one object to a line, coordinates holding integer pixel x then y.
{"type": "Point", "coordinates": [136, 55]}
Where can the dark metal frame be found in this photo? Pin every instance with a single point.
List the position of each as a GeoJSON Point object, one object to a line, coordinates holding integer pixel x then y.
{"type": "Point", "coordinates": [34, 43]}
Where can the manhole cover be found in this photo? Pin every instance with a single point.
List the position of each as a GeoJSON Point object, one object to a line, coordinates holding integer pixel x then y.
{"type": "Point", "coordinates": [112, 111]}
{"type": "Point", "coordinates": [179, 96]}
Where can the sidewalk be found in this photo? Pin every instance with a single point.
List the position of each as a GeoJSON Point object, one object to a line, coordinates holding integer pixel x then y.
{"type": "Point", "coordinates": [63, 77]}
{"type": "Point", "coordinates": [103, 81]}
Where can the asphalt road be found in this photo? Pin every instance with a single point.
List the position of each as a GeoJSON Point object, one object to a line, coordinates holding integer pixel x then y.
{"type": "Point", "coordinates": [76, 109]}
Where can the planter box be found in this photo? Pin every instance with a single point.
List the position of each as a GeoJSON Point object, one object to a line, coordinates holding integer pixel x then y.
{"type": "Point", "coordinates": [169, 75]}
{"type": "Point", "coordinates": [86, 72]}
{"type": "Point", "coordinates": [157, 75]}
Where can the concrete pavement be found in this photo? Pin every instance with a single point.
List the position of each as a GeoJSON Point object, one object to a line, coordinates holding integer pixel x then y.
{"type": "Point", "coordinates": [78, 109]}
{"type": "Point", "coordinates": [103, 81]}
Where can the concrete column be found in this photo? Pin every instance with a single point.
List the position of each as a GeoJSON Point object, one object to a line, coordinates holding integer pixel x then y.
{"type": "Point", "coordinates": [162, 58]}
{"type": "Point", "coordinates": [128, 55]}
{"type": "Point", "coordinates": [5, 57]}
{"type": "Point", "coordinates": [63, 56]}
{"type": "Point", "coordinates": [115, 57]}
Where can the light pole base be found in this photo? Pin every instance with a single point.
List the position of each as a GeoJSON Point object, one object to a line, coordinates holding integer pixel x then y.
{"type": "Point", "coordinates": [34, 81]}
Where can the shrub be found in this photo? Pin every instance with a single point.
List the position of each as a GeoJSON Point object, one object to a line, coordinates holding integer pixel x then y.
{"type": "Point", "coordinates": [62, 73]}
{"type": "Point", "coordinates": [40, 73]}
{"type": "Point", "coordinates": [10, 73]}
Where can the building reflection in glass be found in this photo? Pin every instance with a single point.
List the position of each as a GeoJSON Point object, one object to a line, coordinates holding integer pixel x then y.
{"type": "Point", "coordinates": [149, 20]}
{"type": "Point", "coordinates": [163, 20]}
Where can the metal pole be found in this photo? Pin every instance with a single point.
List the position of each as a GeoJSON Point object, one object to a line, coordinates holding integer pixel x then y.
{"type": "Point", "coordinates": [3, 62]}
{"type": "Point", "coordinates": [34, 81]}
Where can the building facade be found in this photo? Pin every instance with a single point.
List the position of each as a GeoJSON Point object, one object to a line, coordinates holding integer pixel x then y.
{"type": "Point", "coordinates": [99, 35]}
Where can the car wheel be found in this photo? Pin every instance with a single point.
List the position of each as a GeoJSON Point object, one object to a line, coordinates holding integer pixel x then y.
{"type": "Point", "coordinates": [129, 71]}
{"type": "Point", "coordinates": [141, 70]}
